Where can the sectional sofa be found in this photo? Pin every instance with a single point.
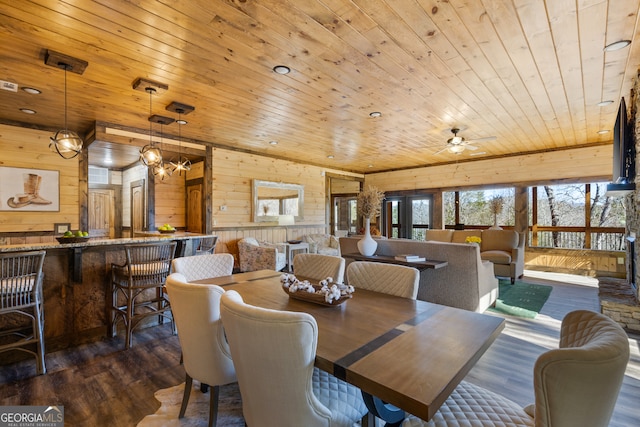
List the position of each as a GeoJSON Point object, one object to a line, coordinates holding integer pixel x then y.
{"type": "Point", "coordinates": [504, 248]}
{"type": "Point", "coordinates": [467, 282]}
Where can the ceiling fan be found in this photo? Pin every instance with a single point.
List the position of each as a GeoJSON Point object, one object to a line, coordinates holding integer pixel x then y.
{"type": "Point", "coordinates": [458, 144]}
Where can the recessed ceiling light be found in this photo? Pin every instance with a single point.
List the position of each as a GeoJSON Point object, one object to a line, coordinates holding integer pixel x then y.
{"type": "Point", "coordinates": [28, 111]}
{"type": "Point", "coordinates": [478, 154]}
{"type": "Point", "coordinates": [603, 131]}
{"type": "Point", "coordinates": [273, 142]}
{"type": "Point", "coordinates": [605, 103]}
{"type": "Point", "coordinates": [282, 69]}
{"type": "Point", "coordinates": [369, 166]}
{"type": "Point", "coordinates": [375, 114]}
{"type": "Point", "coordinates": [31, 90]}
{"type": "Point", "coordinates": [620, 44]}
{"type": "Point", "coordinates": [330, 156]}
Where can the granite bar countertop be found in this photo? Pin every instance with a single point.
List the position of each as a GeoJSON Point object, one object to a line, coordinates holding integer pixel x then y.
{"type": "Point", "coordinates": [91, 242]}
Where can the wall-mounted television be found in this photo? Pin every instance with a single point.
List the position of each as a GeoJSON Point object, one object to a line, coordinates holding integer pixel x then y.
{"type": "Point", "coordinates": [624, 156]}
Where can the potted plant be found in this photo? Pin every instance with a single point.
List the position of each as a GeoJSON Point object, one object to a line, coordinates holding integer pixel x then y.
{"type": "Point", "coordinates": [369, 202]}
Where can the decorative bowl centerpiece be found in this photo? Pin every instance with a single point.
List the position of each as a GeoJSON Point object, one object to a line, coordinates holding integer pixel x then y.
{"type": "Point", "coordinates": [71, 237]}
{"type": "Point", "coordinates": [166, 229]}
{"type": "Point", "coordinates": [294, 242]}
{"type": "Point", "coordinates": [325, 293]}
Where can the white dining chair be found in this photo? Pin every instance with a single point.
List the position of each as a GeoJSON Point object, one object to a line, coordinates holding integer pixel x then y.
{"type": "Point", "coordinates": [319, 267]}
{"type": "Point", "coordinates": [203, 266]}
{"type": "Point", "coordinates": [392, 279]}
{"type": "Point", "coordinates": [576, 384]}
{"type": "Point", "coordinates": [205, 352]}
{"type": "Point", "coordinates": [273, 353]}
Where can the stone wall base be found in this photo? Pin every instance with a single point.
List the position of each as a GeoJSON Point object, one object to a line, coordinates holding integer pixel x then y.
{"type": "Point", "coordinates": [618, 301]}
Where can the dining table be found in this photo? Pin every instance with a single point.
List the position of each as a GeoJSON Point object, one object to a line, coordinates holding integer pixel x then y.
{"type": "Point", "coordinates": [405, 355]}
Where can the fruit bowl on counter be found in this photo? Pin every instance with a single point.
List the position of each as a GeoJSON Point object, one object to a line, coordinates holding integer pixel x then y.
{"type": "Point", "coordinates": [166, 229]}
{"type": "Point", "coordinates": [71, 237]}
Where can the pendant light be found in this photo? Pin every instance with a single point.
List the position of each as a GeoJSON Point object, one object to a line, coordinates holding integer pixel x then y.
{"type": "Point", "coordinates": [65, 142]}
{"type": "Point", "coordinates": [150, 155]}
{"type": "Point", "coordinates": [162, 169]}
{"type": "Point", "coordinates": [181, 163]}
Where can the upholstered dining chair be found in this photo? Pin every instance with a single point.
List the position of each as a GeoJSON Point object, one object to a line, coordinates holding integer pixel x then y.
{"type": "Point", "coordinates": [273, 353]}
{"type": "Point", "coordinates": [392, 279]}
{"type": "Point", "coordinates": [204, 266]}
{"type": "Point", "coordinates": [575, 385]}
{"type": "Point", "coordinates": [319, 267]}
{"type": "Point", "coordinates": [21, 298]}
{"type": "Point", "coordinates": [146, 269]}
{"type": "Point", "coordinates": [205, 352]}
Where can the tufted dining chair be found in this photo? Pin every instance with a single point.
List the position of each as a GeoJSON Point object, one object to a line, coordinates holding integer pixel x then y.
{"type": "Point", "coordinates": [274, 353]}
{"type": "Point", "coordinates": [392, 279]}
{"type": "Point", "coordinates": [576, 384]}
{"type": "Point", "coordinates": [319, 267]}
{"type": "Point", "coordinates": [204, 266]}
{"type": "Point", "coordinates": [21, 299]}
{"type": "Point", "coordinates": [205, 352]}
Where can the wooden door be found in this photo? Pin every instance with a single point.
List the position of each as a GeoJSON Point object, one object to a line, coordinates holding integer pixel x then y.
{"type": "Point", "coordinates": [194, 208]}
{"type": "Point", "coordinates": [101, 213]}
{"type": "Point", "coordinates": [138, 217]}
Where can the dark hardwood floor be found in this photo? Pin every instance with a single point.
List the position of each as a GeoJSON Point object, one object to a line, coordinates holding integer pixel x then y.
{"type": "Point", "coordinates": [101, 384]}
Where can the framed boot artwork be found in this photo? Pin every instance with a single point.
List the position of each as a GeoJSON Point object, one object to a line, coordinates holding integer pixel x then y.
{"type": "Point", "coordinates": [29, 190]}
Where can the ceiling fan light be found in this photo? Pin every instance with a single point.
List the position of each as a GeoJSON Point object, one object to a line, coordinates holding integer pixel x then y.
{"type": "Point", "coordinates": [66, 143]}
{"type": "Point", "coordinates": [456, 149]}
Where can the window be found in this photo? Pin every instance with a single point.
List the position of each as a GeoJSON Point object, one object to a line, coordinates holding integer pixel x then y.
{"type": "Point", "coordinates": [473, 208]}
{"type": "Point", "coordinates": [576, 216]}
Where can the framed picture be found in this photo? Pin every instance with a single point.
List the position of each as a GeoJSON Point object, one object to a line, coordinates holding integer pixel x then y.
{"type": "Point", "coordinates": [61, 228]}
{"type": "Point", "coordinates": [34, 190]}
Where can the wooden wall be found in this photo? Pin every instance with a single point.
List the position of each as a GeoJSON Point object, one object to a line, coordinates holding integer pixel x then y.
{"type": "Point", "coordinates": [555, 166]}
{"type": "Point", "coordinates": [27, 148]}
{"type": "Point", "coordinates": [233, 174]}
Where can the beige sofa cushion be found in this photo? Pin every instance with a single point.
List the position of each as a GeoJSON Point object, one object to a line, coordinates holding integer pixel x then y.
{"type": "Point", "coordinates": [460, 236]}
{"type": "Point", "coordinates": [499, 240]}
{"type": "Point", "coordinates": [497, 257]}
{"type": "Point", "coordinates": [438, 235]}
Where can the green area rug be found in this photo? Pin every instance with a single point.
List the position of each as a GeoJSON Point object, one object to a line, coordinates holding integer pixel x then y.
{"type": "Point", "coordinates": [521, 299]}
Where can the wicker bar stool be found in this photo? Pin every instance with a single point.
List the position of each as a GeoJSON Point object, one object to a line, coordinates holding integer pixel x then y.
{"type": "Point", "coordinates": [20, 300]}
{"type": "Point", "coordinates": [144, 272]}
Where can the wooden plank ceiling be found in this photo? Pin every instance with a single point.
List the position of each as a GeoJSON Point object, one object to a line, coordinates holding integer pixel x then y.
{"type": "Point", "coordinates": [528, 72]}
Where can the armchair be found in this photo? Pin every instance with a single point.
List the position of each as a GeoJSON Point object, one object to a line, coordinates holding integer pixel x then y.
{"type": "Point", "coordinates": [323, 244]}
{"type": "Point", "coordinates": [254, 255]}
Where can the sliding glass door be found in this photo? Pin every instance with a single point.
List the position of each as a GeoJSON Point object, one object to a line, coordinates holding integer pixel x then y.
{"type": "Point", "coordinates": [407, 216]}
